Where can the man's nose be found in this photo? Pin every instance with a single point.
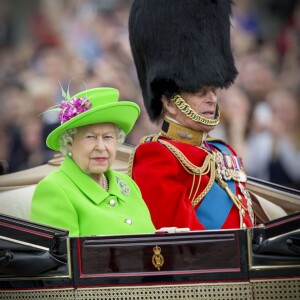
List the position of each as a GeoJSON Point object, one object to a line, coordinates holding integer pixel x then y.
{"type": "Point", "coordinates": [212, 97]}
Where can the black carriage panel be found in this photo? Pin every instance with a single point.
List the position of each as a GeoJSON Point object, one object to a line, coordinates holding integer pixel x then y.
{"type": "Point", "coordinates": [179, 257]}
{"type": "Point", "coordinates": [31, 253]}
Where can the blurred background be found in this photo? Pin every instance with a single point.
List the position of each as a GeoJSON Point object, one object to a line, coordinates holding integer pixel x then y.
{"type": "Point", "coordinates": [47, 43]}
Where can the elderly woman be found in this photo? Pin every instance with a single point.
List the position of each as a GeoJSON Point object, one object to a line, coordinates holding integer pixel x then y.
{"type": "Point", "coordinates": [85, 196]}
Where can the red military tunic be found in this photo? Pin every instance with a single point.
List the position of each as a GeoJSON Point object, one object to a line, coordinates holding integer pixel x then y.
{"type": "Point", "coordinates": [178, 181]}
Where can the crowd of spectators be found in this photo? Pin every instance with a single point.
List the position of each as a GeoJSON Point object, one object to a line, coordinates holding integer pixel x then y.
{"type": "Point", "coordinates": [84, 43]}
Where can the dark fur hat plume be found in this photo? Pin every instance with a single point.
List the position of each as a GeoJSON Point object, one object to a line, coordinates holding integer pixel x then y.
{"type": "Point", "coordinates": [180, 45]}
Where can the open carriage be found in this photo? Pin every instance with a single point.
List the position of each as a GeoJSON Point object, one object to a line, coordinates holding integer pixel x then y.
{"type": "Point", "coordinates": [41, 262]}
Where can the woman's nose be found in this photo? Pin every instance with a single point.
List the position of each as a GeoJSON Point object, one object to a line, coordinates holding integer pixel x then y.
{"type": "Point", "coordinates": [100, 144]}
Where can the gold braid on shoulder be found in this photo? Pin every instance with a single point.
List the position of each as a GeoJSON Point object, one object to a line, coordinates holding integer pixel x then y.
{"type": "Point", "coordinates": [191, 114]}
{"type": "Point", "coordinates": [147, 138]}
{"type": "Point", "coordinates": [207, 167]}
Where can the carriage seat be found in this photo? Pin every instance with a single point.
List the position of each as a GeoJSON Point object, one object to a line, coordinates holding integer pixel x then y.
{"type": "Point", "coordinates": [16, 191]}
{"type": "Point", "coordinates": [17, 202]}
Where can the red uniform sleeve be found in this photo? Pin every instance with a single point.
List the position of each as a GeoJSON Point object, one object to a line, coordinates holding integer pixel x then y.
{"type": "Point", "coordinates": [162, 181]}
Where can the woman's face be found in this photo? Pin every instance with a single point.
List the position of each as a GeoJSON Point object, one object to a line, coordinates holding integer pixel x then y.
{"type": "Point", "coordinates": [94, 148]}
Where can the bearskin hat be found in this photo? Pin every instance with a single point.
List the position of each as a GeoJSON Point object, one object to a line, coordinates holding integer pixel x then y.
{"type": "Point", "coordinates": [180, 45]}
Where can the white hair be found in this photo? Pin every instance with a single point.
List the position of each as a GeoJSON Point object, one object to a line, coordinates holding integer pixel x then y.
{"type": "Point", "coordinates": [67, 137]}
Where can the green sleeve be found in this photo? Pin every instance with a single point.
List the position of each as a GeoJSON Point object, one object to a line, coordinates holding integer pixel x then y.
{"type": "Point", "coordinates": [52, 206]}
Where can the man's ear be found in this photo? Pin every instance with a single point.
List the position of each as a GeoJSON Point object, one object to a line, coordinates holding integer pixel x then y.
{"type": "Point", "coordinates": [169, 107]}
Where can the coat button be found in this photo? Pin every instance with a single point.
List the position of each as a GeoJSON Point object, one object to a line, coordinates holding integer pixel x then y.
{"type": "Point", "coordinates": [128, 221]}
{"type": "Point", "coordinates": [112, 202]}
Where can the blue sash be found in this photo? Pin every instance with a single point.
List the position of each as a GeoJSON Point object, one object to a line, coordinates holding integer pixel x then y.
{"type": "Point", "coordinates": [216, 205]}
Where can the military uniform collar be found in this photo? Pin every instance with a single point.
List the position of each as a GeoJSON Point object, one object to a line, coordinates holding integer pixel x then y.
{"type": "Point", "coordinates": [175, 131]}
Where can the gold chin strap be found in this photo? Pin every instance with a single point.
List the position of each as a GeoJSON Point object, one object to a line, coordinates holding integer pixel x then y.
{"type": "Point", "coordinates": [190, 113]}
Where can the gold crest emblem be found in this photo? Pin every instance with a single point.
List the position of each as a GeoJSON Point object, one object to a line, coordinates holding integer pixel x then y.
{"type": "Point", "coordinates": [157, 258]}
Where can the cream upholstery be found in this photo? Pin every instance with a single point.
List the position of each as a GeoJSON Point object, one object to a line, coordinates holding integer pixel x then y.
{"type": "Point", "coordinates": [272, 210]}
{"type": "Point", "coordinates": [17, 202]}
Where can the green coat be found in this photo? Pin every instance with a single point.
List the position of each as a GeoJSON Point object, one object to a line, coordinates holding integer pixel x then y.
{"type": "Point", "coordinates": [68, 198]}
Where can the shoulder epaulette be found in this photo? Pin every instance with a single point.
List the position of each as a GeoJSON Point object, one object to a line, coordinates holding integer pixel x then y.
{"type": "Point", "coordinates": [145, 139]}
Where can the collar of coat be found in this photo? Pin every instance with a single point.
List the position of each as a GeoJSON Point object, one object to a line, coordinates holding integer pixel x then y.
{"type": "Point", "coordinates": [88, 186]}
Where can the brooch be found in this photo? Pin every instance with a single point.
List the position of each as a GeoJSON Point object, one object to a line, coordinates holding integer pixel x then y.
{"type": "Point", "coordinates": [123, 186]}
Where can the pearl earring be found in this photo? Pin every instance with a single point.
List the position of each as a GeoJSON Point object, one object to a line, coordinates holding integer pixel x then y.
{"type": "Point", "coordinates": [70, 154]}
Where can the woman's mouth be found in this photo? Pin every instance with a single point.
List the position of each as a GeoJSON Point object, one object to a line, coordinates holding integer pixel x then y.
{"type": "Point", "coordinates": [100, 159]}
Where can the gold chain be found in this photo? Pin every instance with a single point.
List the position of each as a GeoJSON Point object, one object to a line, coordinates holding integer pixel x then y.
{"type": "Point", "coordinates": [190, 113]}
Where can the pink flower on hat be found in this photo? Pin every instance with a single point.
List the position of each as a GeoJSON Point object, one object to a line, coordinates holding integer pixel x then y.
{"type": "Point", "coordinates": [73, 108]}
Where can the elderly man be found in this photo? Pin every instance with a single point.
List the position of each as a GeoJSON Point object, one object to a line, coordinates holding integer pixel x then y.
{"type": "Point", "coordinates": [183, 57]}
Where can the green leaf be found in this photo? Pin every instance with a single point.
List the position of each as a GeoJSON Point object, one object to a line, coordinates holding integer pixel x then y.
{"type": "Point", "coordinates": [66, 95]}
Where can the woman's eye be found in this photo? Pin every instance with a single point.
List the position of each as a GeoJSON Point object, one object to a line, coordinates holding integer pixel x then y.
{"type": "Point", "coordinates": [90, 137]}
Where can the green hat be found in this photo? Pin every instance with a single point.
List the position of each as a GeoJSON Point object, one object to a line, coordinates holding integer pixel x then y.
{"type": "Point", "coordinates": [99, 105]}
